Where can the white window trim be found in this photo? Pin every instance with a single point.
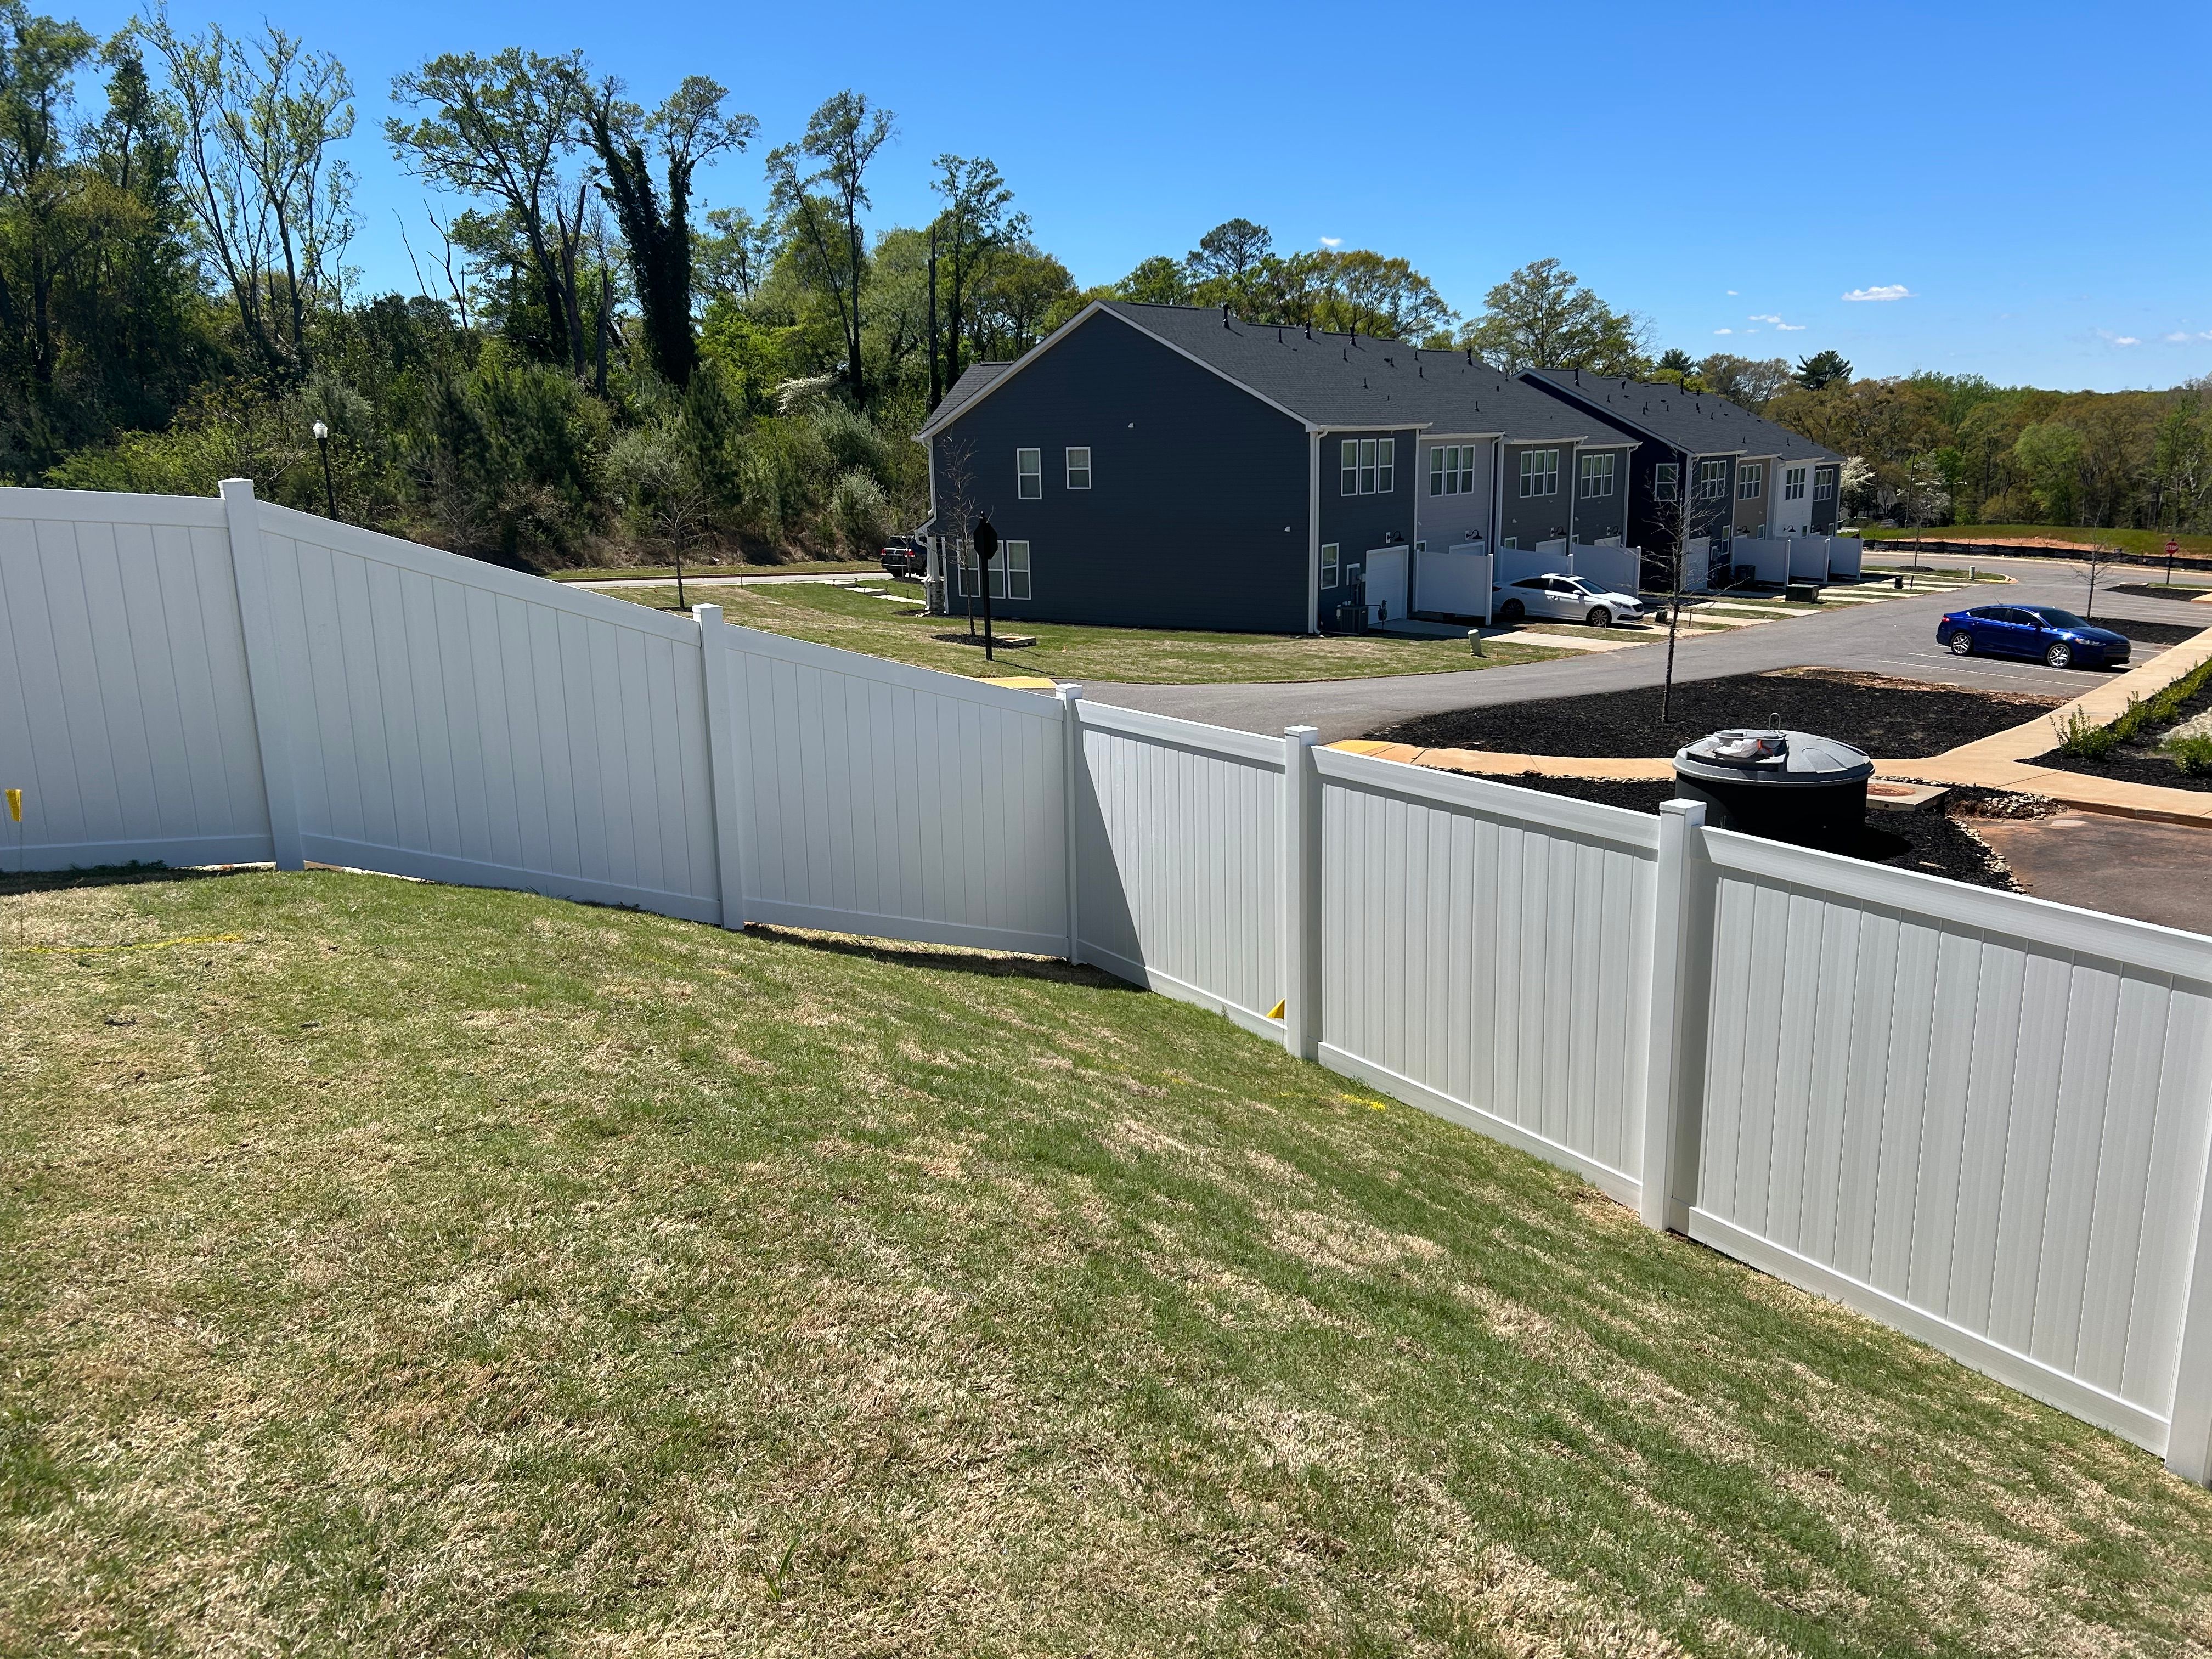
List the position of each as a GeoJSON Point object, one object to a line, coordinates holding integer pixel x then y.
{"type": "Point", "coordinates": [1793, 484]}
{"type": "Point", "coordinates": [1750, 480]}
{"type": "Point", "coordinates": [1332, 572]}
{"type": "Point", "coordinates": [1531, 470]}
{"type": "Point", "coordinates": [1004, 569]}
{"type": "Point", "coordinates": [1028, 475]}
{"type": "Point", "coordinates": [1597, 469]}
{"type": "Point", "coordinates": [1084, 450]}
{"type": "Point", "coordinates": [1666, 480]}
{"type": "Point", "coordinates": [1372, 469]}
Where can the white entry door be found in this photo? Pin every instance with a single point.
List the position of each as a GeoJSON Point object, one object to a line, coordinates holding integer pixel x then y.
{"type": "Point", "coordinates": [1386, 581]}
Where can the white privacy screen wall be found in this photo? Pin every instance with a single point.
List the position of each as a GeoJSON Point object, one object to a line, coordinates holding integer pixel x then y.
{"type": "Point", "coordinates": [440, 717]}
{"type": "Point", "coordinates": [1486, 950]}
{"type": "Point", "coordinates": [1180, 859]}
{"type": "Point", "coordinates": [125, 716]}
{"type": "Point", "coordinates": [1982, 1119]}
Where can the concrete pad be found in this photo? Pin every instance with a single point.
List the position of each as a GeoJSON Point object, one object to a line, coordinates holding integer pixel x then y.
{"type": "Point", "coordinates": [1889, 795]}
{"type": "Point", "coordinates": [1562, 641]}
{"type": "Point", "coordinates": [2151, 872]}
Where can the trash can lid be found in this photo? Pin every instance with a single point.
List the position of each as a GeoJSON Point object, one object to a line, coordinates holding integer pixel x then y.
{"type": "Point", "coordinates": [1743, 754]}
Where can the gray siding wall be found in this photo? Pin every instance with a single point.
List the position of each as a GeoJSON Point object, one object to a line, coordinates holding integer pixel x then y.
{"type": "Point", "coordinates": [1445, 521]}
{"type": "Point", "coordinates": [1600, 516]}
{"type": "Point", "coordinates": [1827, 513]}
{"type": "Point", "coordinates": [1357, 523]}
{"type": "Point", "coordinates": [1196, 513]}
{"type": "Point", "coordinates": [1652, 525]}
{"type": "Point", "coordinates": [1750, 515]}
{"type": "Point", "coordinates": [1526, 520]}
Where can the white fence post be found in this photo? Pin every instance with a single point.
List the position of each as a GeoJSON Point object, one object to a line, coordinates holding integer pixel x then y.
{"type": "Point", "coordinates": [724, 760]}
{"type": "Point", "coordinates": [2189, 1435]}
{"type": "Point", "coordinates": [1670, 1084]}
{"type": "Point", "coordinates": [1071, 796]}
{"type": "Point", "coordinates": [1301, 947]}
{"type": "Point", "coordinates": [249, 566]}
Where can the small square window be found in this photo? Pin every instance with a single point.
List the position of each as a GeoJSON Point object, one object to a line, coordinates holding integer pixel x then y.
{"type": "Point", "coordinates": [1079, 468]}
{"type": "Point", "coordinates": [1028, 474]}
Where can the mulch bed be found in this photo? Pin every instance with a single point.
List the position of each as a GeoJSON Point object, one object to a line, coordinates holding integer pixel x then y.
{"type": "Point", "coordinates": [1935, 842]}
{"type": "Point", "coordinates": [2181, 591]}
{"type": "Point", "coordinates": [1895, 719]}
{"type": "Point", "coordinates": [2141, 762]}
{"type": "Point", "coordinates": [2151, 633]}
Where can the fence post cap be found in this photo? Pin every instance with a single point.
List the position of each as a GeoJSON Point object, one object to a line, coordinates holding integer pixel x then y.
{"type": "Point", "coordinates": [236, 487]}
{"type": "Point", "coordinates": [1691, 812]}
{"type": "Point", "coordinates": [707, 613]}
{"type": "Point", "coordinates": [1307, 734]}
{"type": "Point", "coordinates": [1068, 690]}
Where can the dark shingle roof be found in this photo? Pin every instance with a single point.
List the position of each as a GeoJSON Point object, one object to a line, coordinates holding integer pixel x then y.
{"type": "Point", "coordinates": [973, 379]}
{"type": "Point", "coordinates": [1696, 421]}
{"type": "Point", "coordinates": [1341, 380]}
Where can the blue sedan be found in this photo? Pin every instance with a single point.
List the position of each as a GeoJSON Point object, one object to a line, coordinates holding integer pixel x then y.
{"type": "Point", "coordinates": [2040, 631]}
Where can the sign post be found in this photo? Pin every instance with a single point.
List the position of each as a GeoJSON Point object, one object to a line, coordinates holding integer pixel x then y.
{"type": "Point", "coordinates": [986, 548]}
{"type": "Point", "coordinates": [2173, 547]}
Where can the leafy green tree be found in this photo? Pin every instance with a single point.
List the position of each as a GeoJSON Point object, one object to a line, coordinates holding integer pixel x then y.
{"type": "Point", "coordinates": [256, 125]}
{"type": "Point", "coordinates": [976, 220]}
{"type": "Point", "coordinates": [1820, 370]}
{"type": "Point", "coordinates": [842, 139]}
{"type": "Point", "coordinates": [1674, 367]}
{"type": "Point", "coordinates": [1019, 289]}
{"type": "Point", "coordinates": [2050, 452]}
{"type": "Point", "coordinates": [1158, 280]}
{"type": "Point", "coordinates": [501, 128]}
{"type": "Point", "coordinates": [1231, 250]}
{"type": "Point", "coordinates": [690, 129]}
{"type": "Point", "coordinates": [1753, 383]}
{"type": "Point", "coordinates": [1542, 317]}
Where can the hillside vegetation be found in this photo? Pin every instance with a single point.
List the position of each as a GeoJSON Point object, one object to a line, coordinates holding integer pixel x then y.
{"type": "Point", "coordinates": [390, 1268]}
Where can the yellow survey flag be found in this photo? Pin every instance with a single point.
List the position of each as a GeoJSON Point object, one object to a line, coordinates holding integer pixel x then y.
{"type": "Point", "coordinates": [15, 805]}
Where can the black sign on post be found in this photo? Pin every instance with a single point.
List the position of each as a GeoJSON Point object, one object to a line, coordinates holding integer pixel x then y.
{"type": "Point", "coordinates": [986, 540]}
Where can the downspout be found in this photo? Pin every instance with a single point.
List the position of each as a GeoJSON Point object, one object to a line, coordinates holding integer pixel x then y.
{"type": "Point", "coordinates": [1313, 530]}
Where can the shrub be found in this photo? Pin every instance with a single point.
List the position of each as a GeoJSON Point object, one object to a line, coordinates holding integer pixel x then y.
{"type": "Point", "coordinates": [2192, 755]}
{"type": "Point", "coordinates": [2080, 738]}
{"type": "Point", "coordinates": [859, 514]}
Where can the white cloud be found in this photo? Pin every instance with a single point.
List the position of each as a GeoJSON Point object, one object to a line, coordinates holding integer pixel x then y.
{"type": "Point", "coordinates": [2183, 336]}
{"type": "Point", "coordinates": [1731, 294]}
{"type": "Point", "coordinates": [2110, 338]}
{"type": "Point", "coordinates": [1769, 316]}
{"type": "Point", "coordinates": [1791, 328]}
{"type": "Point", "coordinates": [1893, 291]}
{"type": "Point", "coordinates": [1723, 331]}
{"type": "Point", "coordinates": [1332, 241]}
{"type": "Point", "coordinates": [1764, 316]}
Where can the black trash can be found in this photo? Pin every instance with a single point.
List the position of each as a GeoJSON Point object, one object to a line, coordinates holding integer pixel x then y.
{"type": "Point", "coordinates": [1786, 786]}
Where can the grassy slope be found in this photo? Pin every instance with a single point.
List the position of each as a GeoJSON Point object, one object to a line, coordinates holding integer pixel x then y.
{"type": "Point", "coordinates": [2149, 544]}
{"type": "Point", "coordinates": [834, 616]}
{"type": "Point", "coordinates": [406, 1269]}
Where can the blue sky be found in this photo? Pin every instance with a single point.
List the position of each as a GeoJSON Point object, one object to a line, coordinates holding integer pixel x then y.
{"type": "Point", "coordinates": [2030, 179]}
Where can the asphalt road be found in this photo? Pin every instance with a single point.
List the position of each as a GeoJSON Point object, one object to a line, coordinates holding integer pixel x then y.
{"type": "Point", "coordinates": [1896, 637]}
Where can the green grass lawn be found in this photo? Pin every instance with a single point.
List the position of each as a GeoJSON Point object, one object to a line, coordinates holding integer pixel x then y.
{"type": "Point", "coordinates": [391, 1268]}
{"type": "Point", "coordinates": [2145, 543]}
{"type": "Point", "coordinates": [796, 568]}
{"type": "Point", "coordinates": [1063, 651]}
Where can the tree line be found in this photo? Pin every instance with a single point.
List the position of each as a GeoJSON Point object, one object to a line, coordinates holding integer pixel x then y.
{"type": "Point", "coordinates": [596, 366]}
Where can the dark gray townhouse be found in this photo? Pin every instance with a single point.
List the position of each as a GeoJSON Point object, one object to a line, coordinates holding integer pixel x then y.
{"type": "Point", "coordinates": [1171, 467]}
{"type": "Point", "coordinates": [1743, 476]}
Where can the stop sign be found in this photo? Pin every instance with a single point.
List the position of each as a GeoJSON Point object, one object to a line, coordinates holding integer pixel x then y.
{"type": "Point", "coordinates": [2173, 547]}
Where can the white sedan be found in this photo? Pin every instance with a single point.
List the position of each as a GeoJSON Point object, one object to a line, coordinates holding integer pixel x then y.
{"type": "Point", "coordinates": [1565, 598]}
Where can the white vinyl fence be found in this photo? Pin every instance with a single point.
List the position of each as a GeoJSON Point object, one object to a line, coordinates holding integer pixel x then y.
{"type": "Point", "coordinates": [1980, 1118]}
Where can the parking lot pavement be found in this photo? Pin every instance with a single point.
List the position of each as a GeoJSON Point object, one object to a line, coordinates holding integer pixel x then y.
{"type": "Point", "coordinates": [2151, 872]}
{"type": "Point", "coordinates": [1896, 637]}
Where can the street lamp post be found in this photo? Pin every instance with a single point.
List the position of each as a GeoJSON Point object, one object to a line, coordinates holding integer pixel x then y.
{"type": "Point", "coordinates": [329, 488]}
{"type": "Point", "coordinates": [986, 548]}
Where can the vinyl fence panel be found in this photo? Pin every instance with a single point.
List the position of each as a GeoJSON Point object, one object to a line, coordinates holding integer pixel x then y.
{"type": "Point", "coordinates": [1980, 1117]}
{"type": "Point", "coordinates": [1180, 855]}
{"type": "Point", "coordinates": [125, 713]}
{"type": "Point", "coordinates": [875, 798]}
{"type": "Point", "coordinates": [1486, 951]}
{"type": "Point", "coordinates": [444, 718]}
